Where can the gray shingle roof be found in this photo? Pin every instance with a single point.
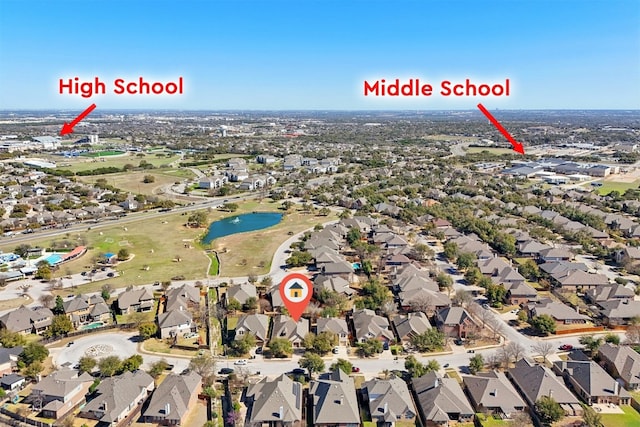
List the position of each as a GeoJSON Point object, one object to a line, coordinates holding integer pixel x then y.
{"type": "Point", "coordinates": [389, 398]}
{"type": "Point", "coordinates": [174, 393]}
{"type": "Point", "coordinates": [275, 400]}
{"type": "Point", "coordinates": [535, 381]}
{"type": "Point", "coordinates": [440, 399]}
{"type": "Point", "coordinates": [334, 400]}
{"type": "Point", "coordinates": [115, 394]}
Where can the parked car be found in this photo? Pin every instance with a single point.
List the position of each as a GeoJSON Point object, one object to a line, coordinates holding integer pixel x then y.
{"type": "Point", "coordinates": [471, 351]}
{"type": "Point", "coordinates": [446, 365]}
{"type": "Point", "coordinates": [225, 371]}
{"type": "Point", "coordinates": [298, 371]}
{"type": "Point", "coordinates": [385, 346]}
{"type": "Point", "coordinates": [566, 347]}
{"type": "Point", "coordinates": [259, 350]}
{"type": "Point", "coordinates": [240, 362]}
{"type": "Point", "coordinates": [355, 369]}
{"type": "Point", "coordinates": [335, 350]}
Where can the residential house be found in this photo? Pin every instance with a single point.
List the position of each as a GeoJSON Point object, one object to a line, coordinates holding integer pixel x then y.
{"type": "Point", "coordinates": [189, 294]}
{"type": "Point", "coordinates": [336, 326]}
{"type": "Point", "coordinates": [561, 313]}
{"type": "Point", "coordinates": [286, 327]}
{"type": "Point", "coordinates": [27, 320]}
{"type": "Point", "coordinates": [135, 300]}
{"type": "Point", "coordinates": [492, 392]}
{"type": "Point", "coordinates": [60, 392]}
{"type": "Point", "coordinates": [332, 283]}
{"type": "Point", "coordinates": [555, 254]}
{"type": "Point", "coordinates": [334, 401]}
{"type": "Point", "coordinates": [368, 325]}
{"type": "Point", "coordinates": [84, 309]}
{"type": "Point", "coordinates": [622, 362]}
{"type": "Point", "coordinates": [441, 401]}
{"type": "Point", "coordinates": [12, 382]}
{"type": "Point", "coordinates": [8, 359]}
{"type": "Point", "coordinates": [117, 397]}
{"type": "Point", "coordinates": [276, 403]}
{"type": "Point", "coordinates": [339, 268]}
{"type": "Point", "coordinates": [175, 322]}
{"type": "Point", "coordinates": [455, 322]}
{"type": "Point", "coordinates": [534, 381]}
{"type": "Point", "coordinates": [578, 280]}
{"type": "Point", "coordinates": [389, 401]}
{"type": "Point", "coordinates": [241, 293]}
{"type": "Point", "coordinates": [411, 325]}
{"type": "Point", "coordinates": [255, 324]}
{"type": "Point", "coordinates": [173, 399]}
{"type": "Point", "coordinates": [615, 291]}
{"type": "Point", "coordinates": [619, 312]}
{"type": "Point", "coordinates": [520, 293]}
{"type": "Point", "coordinates": [591, 383]}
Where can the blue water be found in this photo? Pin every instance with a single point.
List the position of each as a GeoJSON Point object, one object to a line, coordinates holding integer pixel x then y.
{"type": "Point", "coordinates": [53, 259]}
{"type": "Point", "coordinates": [241, 224]}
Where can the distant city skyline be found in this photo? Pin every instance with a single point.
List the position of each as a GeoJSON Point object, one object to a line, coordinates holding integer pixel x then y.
{"type": "Point", "coordinates": [291, 55]}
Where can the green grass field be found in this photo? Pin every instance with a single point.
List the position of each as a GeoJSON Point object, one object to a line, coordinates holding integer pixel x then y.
{"type": "Point", "coordinates": [103, 153]}
{"type": "Point", "coordinates": [214, 268]}
{"type": "Point", "coordinates": [82, 163]}
{"type": "Point", "coordinates": [630, 418]}
{"type": "Point", "coordinates": [132, 182]}
{"type": "Point", "coordinates": [609, 186]}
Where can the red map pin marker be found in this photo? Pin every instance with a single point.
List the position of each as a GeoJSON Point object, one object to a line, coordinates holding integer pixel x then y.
{"type": "Point", "coordinates": [296, 291]}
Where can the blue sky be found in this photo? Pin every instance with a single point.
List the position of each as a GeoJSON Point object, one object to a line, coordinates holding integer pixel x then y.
{"type": "Point", "coordinates": [316, 54]}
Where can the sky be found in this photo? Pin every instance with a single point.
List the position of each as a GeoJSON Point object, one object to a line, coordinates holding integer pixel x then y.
{"type": "Point", "coordinates": [316, 55]}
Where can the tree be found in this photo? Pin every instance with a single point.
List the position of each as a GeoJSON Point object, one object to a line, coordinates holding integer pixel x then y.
{"type": "Point", "coordinates": [252, 278]}
{"type": "Point", "coordinates": [240, 347]}
{"type": "Point", "coordinates": [147, 330]}
{"type": "Point", "coordinates": [476, 363]}
{"type": "Point", "coordinates": [544, 348]}
{"type": "Point", "coordinates": [299, 259]}
{"type": "Point", "coordinates": [428, 341]}
{"type": "Point", "coordinates": [495, 294]}
{"type": "Point", "coordinates": [320, 344]}
{"type": "Point", "coordinates": [612, 338]}
{"type": "Point", "coordinates": [44, 271]}
{"type": "Point", "coordinates": [514, 350]}
{"type": "Point", "coordinates": [342, 364]}
{"type": "Point", "coordinates": [369, 347]}
{"type": "Point", "coordinates": [148, 179]}
{"type": "Point", "coordinates": [157, 368]}
{"type": "Point", "coordinates": [59, 307]}
{"type": "Point", "coordinates": [233, 304]}
{"type": "Point", "coordinates": [109, 366]}
{"type": "Point", "coordinates": [450, 251]}
{"type": "Point", "coordinates": [280, 347]}
{"type": "Point", "coordinates": [549, 410]}
{"type": "Point", "coordinates": [131, 363]}
{"type": "Point", "coordinates": [47, 300]}
{"type": "Point", "coordinates": [204, 365]}
{"type": "Point", "coordinates": [543, 324]}
{"type": "Point", "coordinates": [87, 363]}
{"type": "Point", "coordinates": [266, 282]}
{"type": "Point", "coordinates": [374, 295]}
{"type": "Point", "coordinates": [60, 325]}
{"type": "Point", "coordinates": [530, 270]}
{"type": "Point", "coordinates": [389, 309]}
{"type": "Point", "coordinates": [106, 291]}
{"type": "Point", "coordinates": [33, 352]}
{"type": "Point", "coordinates": [33, 369]}
{"type": "Point", "coordinates": [466, 260]}
{"type": "Point", "coordinates": [10, 339]}
{"type": "Point", "coordinates": [230, 207]}
{"type": "Point", "coordinates": [250, 304]}
{"type": "Point", "coordinates": [197, 219]}
{"type": "Point", "coordinates": [591, 343]}
{"type": "Point", "coordinates": [444, 281]}
{"type": "Point", "coordinates": [473, 276]}
{"type": "Point", "coordinates": [462, 298]}
{"type": "Point", "coordinates": [414, 367]}
{"type": "Point", "coordinates": [590, 417]}
{"type": "Point", "coordinates": [123, 254]}
{"type": "Point", "coordinates": [312, 362]}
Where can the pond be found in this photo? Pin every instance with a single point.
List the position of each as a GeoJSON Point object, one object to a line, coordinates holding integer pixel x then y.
{"type": "Point", "coordinates": [240, 224]}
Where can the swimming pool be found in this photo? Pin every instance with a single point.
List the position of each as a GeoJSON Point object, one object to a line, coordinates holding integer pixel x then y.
{"type": "Point", "coordinates": [92, 325]}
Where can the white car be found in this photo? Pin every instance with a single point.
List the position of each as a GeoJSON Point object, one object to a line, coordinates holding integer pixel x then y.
{"type": "Point", "coordinates": [240, 362]}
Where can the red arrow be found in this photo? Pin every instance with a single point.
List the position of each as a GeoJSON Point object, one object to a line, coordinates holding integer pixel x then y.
{"type": "Point", "coordinates": [516, 145]}
{"type": "Point", "coordinates": [68, 127]}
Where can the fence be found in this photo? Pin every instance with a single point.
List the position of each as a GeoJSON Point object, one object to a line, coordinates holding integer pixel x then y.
{"type": "Point", "coordinates": [23, 420]}
{"type": "Point", "coordinates": [124, 326]}
{"type": "Point", "coordinates": [581, 330]}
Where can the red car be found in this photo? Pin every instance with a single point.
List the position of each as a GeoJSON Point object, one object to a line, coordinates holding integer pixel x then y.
{"type": "Point", "coordinates": [355, 369]}
{"type": "Point", "coordinates": [566, 347]}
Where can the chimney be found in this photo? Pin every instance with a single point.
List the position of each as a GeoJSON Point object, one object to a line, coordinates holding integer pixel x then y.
{"type": "Point", "coordinates": [386, 407]}
{"type": "Point", "coordinates": [550, 393]}
{"type": "Point", "coordinates": [436, 383]}
{"type": "Point", "coordinates": [167, 409]}
{"type": "Point", "coordinates": [616, 388]}
{"type": "Point", "coordinates": [281, 413]}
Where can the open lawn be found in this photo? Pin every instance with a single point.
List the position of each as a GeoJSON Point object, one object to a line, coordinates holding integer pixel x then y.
{"type": "Point", "coordinates": [609, 186]}
{"type": "Point", "coordinates": [252, 252]}
{"type": "Point", "coordinates": [132, 182]}
{"type": "Point", "coordinates": [492, 150]}
{"type": "Point", "coordinates": [8, 304]}
{"type": "Point", "coordinates": [156, 345]}
{"type": "Point", "coordinates": [214, 268]}
{"type": "Point", "coordinates": [630, 418]}
{"type": "Point", "coordinates": [82, 163]}
{"type": "Point", "coordinates": [104, 153]}
{"type": "Point", "coordinates": [489, 421]}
